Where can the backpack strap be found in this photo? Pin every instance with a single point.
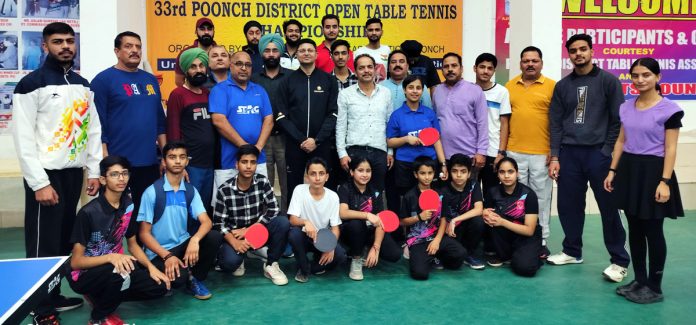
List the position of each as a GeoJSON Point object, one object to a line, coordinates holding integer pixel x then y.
{"type": "Point", "coordinates": [160, 199]}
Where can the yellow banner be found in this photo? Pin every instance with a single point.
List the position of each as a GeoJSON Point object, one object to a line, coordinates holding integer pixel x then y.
{"type": "Point", "coordinates": [437, 24]}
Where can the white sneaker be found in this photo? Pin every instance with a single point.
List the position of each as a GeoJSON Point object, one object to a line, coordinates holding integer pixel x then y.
{"type": "Point", "coordinates": [274, 273]}
{"type": "Point", "coordinates": [406, 254]}
{"type": "Point", "coordinates": [563, 259]}
{"type": "Point", "coordinates": [259, 254]}
{"type": "Point", "coordinates": [615, 273]}
{"type": "Point", "coordinates": [356, 272]}
{"type": "Point", "coordinates": [240, 270]}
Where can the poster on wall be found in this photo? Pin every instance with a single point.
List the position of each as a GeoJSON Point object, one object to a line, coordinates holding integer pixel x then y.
{"type": "Point", "coordinates": [21, 23]}
{"type": "Point", "coordinates": [436, 24]}
{"type": "Point", "coordinates": [626, 30]}
{"type": "Point", "coordinates": [502, 40]}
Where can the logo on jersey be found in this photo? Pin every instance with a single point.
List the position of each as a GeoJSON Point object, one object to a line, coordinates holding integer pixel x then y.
{"type": "Point", "coordinates": [201, 112]}
{"type": "Point", "coordinates": [247, 109]}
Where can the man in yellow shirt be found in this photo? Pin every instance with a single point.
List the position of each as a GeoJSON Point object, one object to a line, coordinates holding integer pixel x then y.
{"type": "Point", "coordinates": [528, 139]}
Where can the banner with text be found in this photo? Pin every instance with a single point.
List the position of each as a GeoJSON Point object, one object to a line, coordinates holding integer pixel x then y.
{"type": "Point", "coordinates": [171, 25]}
{"type": "Point", "coordinates": [625, 30]}
{"type": "Point", "coordinates": [502, 40]}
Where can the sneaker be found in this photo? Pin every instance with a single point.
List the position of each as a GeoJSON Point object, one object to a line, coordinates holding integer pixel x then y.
{"type": "Point", "coordinates": [474, 263]}
{"type": "Point", "coordinates": [563, 259]}
{"type": "Point", "coordinates": [240, 270]}
{"type": "Point", "coordinates": [198, 289]}
{"type": "Point", "coordinates": [406, 254]}
{"type": "Point", "coordinates": [288, 252]}
{"type": "Point", "coordinates": [64, 303]}
{"type": "Point", "coordinates": [47, 320]}
{"type": "Point", "coordinates": [259, 254]}
{"type": "Point", "coordinates": [320, 272]}
{"type": "Point", "coordinates": [274, 273]}
{"type": "Point", "coordinates": [632, 286]}
{"type": "Point", "coordinates": [301, 277]}
{"type": "Point", "coordinates": [615, 273]}
{"type": "Point", "coordinates": [545, 252]}
{"type": "Point", "coordinates": [437, 264]}
{"type": "Point", "coordinates": [356, 266]}
{"type": "Point", "coordinates": [644, 295]}
{"type": "Point", "coordinates": [494, 260]}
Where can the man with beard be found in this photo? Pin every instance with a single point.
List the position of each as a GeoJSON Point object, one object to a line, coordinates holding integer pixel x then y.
{"type": "Point", "coordinates": [398, 70]}
{"type": "Point", "coordinates": [218, 65]}
{"type": "Point", "coordinates": [330, 26]}
{"type": "Point", "coordinates": [129, 103]}
{"type": "Point", "coordinates": [188, 121]}
{"type": "Point", "coordinates": [270, 78]}
{"type": "Point", "coordinates": [292, 29]}
{"type": "Point", "coordinates": [242, 114]}
{"type": "Point", "coordinates": [421, 65]}
{"type": "Point", "coordinates": [52, 152]}
{"type": "Point", "coordinates": [340, 50]}
{"type": "Point", "coordinates": [361, 125]}
{"type": "Point", "coordinates": [379, 52]}
{"type": "Point", "coordinates": [205, 32]}
{"type": "Point", "coordinates": [252, 32]}
{"type": "Point", "coordinates": [584, 123]}
{"type": "Point", "coordinates": [528, 136]}
{"type": "Point", "coordinates": [463, 113]}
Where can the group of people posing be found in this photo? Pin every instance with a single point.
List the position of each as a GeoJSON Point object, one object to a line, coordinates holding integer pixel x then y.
{"type": "Point", "coordinates": [340, 132]}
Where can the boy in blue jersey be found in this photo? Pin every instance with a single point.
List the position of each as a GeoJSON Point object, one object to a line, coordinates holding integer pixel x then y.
{"type": "Point", "coordinates": [184, 258]}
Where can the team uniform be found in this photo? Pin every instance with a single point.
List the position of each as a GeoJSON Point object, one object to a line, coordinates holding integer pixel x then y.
{"type": "Point", "coordinates": [455, 203]}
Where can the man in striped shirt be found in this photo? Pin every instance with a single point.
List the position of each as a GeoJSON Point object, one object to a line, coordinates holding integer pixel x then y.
{"type": "Point", "coordinates": [243, 200]}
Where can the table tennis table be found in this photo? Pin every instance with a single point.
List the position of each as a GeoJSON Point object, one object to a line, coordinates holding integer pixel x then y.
{"type": "Point", "coordinates": [24, 283]}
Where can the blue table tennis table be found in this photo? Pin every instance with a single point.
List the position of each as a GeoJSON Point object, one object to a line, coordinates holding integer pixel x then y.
{"type": "Point", "coordinates": [24, 283]}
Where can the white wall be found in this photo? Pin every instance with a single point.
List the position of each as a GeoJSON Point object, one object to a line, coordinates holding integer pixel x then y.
{"type": "Point", "coordinates": [478, 33]}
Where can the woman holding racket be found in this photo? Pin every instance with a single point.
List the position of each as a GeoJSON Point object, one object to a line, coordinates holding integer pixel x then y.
{"type": "Point", "coordinates": [403, 131]}
{"type": "Point", "coordinates": [512, 212]}
{"type": "Point", "coordinates": [361, 226]}
{"type": "Point", "coordinates": [642, 179]}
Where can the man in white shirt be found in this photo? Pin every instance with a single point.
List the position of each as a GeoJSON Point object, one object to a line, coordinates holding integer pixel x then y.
{"type": "Point", "coordinates": [379, 52]}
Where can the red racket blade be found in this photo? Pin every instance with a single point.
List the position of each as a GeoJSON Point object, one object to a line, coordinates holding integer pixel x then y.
{"type": "Point", "coordinates": [429, 136]}
{"type": "Point", "coordinates": [390, 221]}
{"type": "Point", "coordinates": [256, 235]}
{"type": "Point", "coordinates": [429, 200]}
{"type": "Point", "coordinates": [326, 240]}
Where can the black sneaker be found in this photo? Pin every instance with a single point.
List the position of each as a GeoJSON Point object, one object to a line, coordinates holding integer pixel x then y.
{"type": "Point", "coordinates": [632, 286]}
{"type": "Point", "coordinates": [494, 260]}
{"type": "Point", "coordinates": [644, 295]}
{"type": "Point", "coordinates": [64, 303]}
{"type": "Point", "coordinates": [47, 320]}
{"type": "Point", "coordinates": [544, 253]}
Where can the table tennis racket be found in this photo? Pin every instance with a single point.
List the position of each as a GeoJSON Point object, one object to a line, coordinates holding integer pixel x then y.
{"type": "Point", "coordinates": [256, 235]}
{"type": "Point", "coordinates": [326, 240]}
{"type": "Point", "coordinates": [390, 221]}
{"type": "Point", "coordinates": [429, 136]}
{"type": "Point", "coordinates": [429, 200]}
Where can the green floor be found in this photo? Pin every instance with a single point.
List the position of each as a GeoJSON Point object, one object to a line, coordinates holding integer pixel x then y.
{"type": "Point", "coordinates": [575, 294]}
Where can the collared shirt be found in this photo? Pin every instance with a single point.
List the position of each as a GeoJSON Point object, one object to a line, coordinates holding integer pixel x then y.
{"type": "Point", "coordinates": [463, 116]}
{"type": "Point", "coordinates": [362, 120]}
{"type": "Point", "coordinates": [529, 123]}
{"type": "Point", "coordinates": [398, 96]}
{"type": "Point", "coordinates": [235, 208]}
{"type": "Point", "coordinates": [212, 81]}
{"type": "Point", "coordinates": [403, 122]}
{"type": "Point", "coordinates": [324, 61]}
{"type": "Point", "coordinates": [351, 80]}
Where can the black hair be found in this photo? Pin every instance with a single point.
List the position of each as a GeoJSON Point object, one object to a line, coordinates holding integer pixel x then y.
{"type": "Point", "coordinates": [578, 37]}
{"type": "Point", "coordinates": [364, 55]}
{"type": "Point", "coordinates": [316, 161]}
{"type": "Point", "coordinates": [57, 28]}
{"type": "Point", "coordinates": [459, 57]}
{"type": "Point", "coordinates": [507, 159]}
{"type": "Point", "coordinates": [459, 159]}
{"type": "Point", "coordinates": [421, 161]}
{"type": "Point", "coordinates": [247, 149]}
{"type": "Point", "coordinates": [373, 20]}
{"type": "Point", "coordinates": [120, 36]}
{"type": "Point", "coordinates": [291, 22]}
{"type": "Point", "coordinates": [330, 16]}
{"type": "Point", "coordinates": [339, 42]}
{"type": "Point", "coordinates": [397, 52]}
{"type": "Point", "coordinates": [652, 65]}
{"type": "Point", "coordinates": [110, 161]}
{"type": "Point", "coordinates": [409, 79]}
{"type": "Point", "coordinates": [173, 145]}
{"type": "Point", "coordinates": [306, 41]}
{"type": "Point", "coordinates": [531, 49]}
{"type": "Point", "coordinates": [355, 162]}
{"type": "Point", "coordinates": [486, 57]}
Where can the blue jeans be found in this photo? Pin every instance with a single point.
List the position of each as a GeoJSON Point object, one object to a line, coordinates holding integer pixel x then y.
{"type": "Point", "coordinates": [301, 244]}
{"type": "Point", "coordinates": [229, 259]}
{"type": "Point", "coordinates": [202, 180]}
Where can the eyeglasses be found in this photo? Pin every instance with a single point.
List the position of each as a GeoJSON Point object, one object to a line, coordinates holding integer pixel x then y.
{"type": "Point", "coordinates": [115, 175]}
{"type": "Point", "coordinates": [240, 64]}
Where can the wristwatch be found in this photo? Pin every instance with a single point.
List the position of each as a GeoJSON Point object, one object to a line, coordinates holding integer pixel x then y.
{"type": "Point", "coordinates": [502, 153]}
{"type": "Point", "coordinates": [665, 180]}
